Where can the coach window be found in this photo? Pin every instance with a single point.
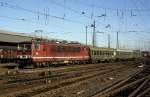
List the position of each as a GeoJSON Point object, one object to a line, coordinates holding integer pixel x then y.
{"type": "Point", "coordinates": [94, 52]}
{"type": "Point", "coordinates": [97, 52]}
{"type": "Point", "coordinates": [108, 53]}
{"type": "Point", "coordinates": [104, 53]}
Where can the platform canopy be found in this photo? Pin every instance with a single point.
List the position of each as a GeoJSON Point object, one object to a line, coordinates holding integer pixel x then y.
{"type": "Point", "coordinates": [13, 37]}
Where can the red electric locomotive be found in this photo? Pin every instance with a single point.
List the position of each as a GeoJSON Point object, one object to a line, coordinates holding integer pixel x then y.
{"type": "Point", "coordinates": [43, 52]}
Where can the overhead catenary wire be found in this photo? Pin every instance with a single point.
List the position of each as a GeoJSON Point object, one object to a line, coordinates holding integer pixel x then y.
{"type": "Point", "coordinates": [16, 7]}
{"type": "Point", "coordinates": [70, 9]}
{"type": "Point", "coordinates": [27, 20]}
{"type": "Point", "coordinates": [110, 9]}
{"type": "Point", "coordinates": [140, 17]}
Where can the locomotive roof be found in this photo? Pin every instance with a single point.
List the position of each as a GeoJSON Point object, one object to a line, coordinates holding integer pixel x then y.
{"type": "Point", "coordinates": [64, 42]}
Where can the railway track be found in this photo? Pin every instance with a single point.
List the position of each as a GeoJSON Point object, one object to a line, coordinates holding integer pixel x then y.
{"type": "Point", "coordinates": [31, 81]}
{"type": "Point", "coordinates": [34, 73]}
{"type": "Point", "coordinates": [136, 86]}
{"type": "Point", "coordinates": [85, 88]}
{"type": "Point", "coordinates": [62, 78]}
{"type": "Point", "coordinates": [73, 81]}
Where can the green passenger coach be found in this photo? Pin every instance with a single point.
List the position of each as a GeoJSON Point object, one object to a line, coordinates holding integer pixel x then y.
{"type": "Point", "coordinates": [102, 54]}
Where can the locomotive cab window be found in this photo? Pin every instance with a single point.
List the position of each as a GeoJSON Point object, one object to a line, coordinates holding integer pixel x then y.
{"type": "Point", "coordinates": [37, 46]}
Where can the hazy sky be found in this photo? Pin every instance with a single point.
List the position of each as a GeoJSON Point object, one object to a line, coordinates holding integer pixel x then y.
{"type": "Point", "coordinates": [66, 19]}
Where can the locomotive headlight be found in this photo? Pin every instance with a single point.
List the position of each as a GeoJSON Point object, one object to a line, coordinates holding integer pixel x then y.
{"type": "Point", "coordinates": [36, 53]}
{"type": "Point", "coordinates": [24, 56]}
{"type": "Point", "coordinates": [19, 56]}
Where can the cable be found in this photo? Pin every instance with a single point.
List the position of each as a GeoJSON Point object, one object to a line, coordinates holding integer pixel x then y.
{"type": "Point", "coordinates": [4, 4]}
{"type": "Point", "coordinates": [26, 20]}
{"type": "Point", "coordinates": [13, 18]}
{"type": "Point", "coordinates": [141, 18]}
{"type": "Point", "coordinates": [64, 6]}
{"type": "Point", "coordinates": [110, 9]}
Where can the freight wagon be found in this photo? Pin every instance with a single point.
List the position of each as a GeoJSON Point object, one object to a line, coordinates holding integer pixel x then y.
{"type": "Point", "coordinates": [8, 54]}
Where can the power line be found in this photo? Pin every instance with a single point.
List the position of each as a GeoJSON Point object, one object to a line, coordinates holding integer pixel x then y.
{"type": "Point", "coordinates": [71, 9]}
{"type": "Point", "coordinates": [110, 9]}
{"type": "Point", "coordinates": [25, 20]}
{"type": "Point", "coordinates": [13, 18]}
{"type": "Point", "coordinates": [19, 19]}
{"type": "Point", "coordinates": [5, 4]}
{"type": "Point", "coordinates": [141, 18]}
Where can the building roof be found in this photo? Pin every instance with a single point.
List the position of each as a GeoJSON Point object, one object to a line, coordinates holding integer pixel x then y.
{"type": "Point", "coordinates": [13, 37]}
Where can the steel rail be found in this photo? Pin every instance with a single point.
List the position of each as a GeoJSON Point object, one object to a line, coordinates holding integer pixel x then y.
{"type": "Point", "coordinates": [133, 94]}
{"type": "Point", "coordinates": [109, 90]}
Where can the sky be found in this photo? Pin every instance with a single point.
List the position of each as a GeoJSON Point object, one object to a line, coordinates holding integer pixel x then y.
{"type": "Point", "coordinates": [66, 20]}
